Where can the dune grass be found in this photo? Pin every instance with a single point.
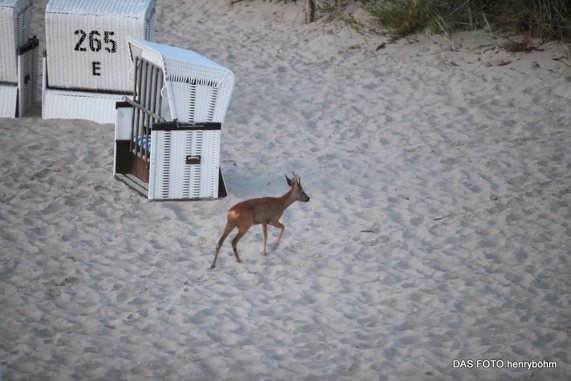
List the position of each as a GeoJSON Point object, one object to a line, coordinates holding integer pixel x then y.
{"type": "Point", "coordinates": [544, 19]}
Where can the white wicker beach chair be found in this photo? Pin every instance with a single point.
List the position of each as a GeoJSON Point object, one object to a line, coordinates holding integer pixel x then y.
{"type": "Point", "coordinates": [87, 62]}
{"type": "Point", "coordinates": [18, 58]}
{"type": "Point", "coordinates": [168, 135]}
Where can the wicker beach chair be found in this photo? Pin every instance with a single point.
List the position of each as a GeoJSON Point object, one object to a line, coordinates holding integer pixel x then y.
{"type": "Point", "coordinates": [18, 58]}
{"type": "Point", "coordinates": [168, 134]}
{"type": "Point", "coordinates": [87, 62]}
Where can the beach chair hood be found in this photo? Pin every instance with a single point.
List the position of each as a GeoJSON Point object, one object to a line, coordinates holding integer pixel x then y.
{"type": "Point", "coordinates": [196, 88]}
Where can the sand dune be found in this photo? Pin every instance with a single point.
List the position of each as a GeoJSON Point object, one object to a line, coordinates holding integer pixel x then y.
{"type": "Point", "coordinates": [438, 226]}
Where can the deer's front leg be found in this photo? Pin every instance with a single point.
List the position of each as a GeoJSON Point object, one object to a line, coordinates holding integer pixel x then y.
{"type": "Point", "coordinates": [281, 226]}
{"type": "Point", "coordinates": [265, 233]}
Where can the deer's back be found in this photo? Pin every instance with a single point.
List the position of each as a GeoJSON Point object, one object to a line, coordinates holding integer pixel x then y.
{"type": "Point", "coordinates": [261, 210]}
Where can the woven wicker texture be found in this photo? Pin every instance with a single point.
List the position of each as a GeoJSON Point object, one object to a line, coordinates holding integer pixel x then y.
{"type": "Point", "coordinates": [27, 73]}
{"type": "Point", "coordinates": [198, 89]}
{"type": "Point", "coordinates": [86, 42]}
{"type": "Point", "coordinates": [8, 100]}
{"type": "Point", "coordinates": [194, 89]}
{"type": "Point", "coordinates": [15, 17]}
{"type": "Point", "coordinates": [99, 108]}
{"type": "Point", "coordinates": [171, 178]}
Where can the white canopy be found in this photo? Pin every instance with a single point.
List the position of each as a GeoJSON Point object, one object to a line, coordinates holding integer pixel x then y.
{"type": "Point", "coordinates": [197, 88]}
{"type": "Point", "coordinates": [132, 8]}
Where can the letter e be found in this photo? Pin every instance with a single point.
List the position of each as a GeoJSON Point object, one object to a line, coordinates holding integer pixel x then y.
{"type": "Point", "coordinates": [97, 68]}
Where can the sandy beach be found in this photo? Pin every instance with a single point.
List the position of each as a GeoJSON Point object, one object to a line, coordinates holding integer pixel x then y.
{"type": "Point", "coordinates": [438, 231]}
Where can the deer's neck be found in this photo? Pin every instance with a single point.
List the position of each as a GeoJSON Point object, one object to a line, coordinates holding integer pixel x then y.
{"type": "Point", "coordinates": [287, 199]}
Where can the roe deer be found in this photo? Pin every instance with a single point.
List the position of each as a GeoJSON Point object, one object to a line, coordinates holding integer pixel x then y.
{"type": "Point", "coordinates": [265, 211]}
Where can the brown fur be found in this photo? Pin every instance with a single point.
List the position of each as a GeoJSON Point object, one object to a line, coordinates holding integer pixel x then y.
{"type": "Point", "coordinates": [260, 211]}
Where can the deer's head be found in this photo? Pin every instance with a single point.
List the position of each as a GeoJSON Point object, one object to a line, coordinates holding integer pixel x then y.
{"type": "Point", "coordinates": [296, 188]}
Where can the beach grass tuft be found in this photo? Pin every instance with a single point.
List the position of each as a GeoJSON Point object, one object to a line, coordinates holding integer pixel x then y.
{"type": "Point", "coordinates": [544, 19]}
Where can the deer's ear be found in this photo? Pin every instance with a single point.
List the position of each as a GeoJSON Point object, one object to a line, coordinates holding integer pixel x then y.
{"type": "Point", "coordinates": [289, 181]}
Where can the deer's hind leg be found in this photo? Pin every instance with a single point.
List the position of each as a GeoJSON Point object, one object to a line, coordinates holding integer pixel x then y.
{"type": "Point", "coordinates": [227, 229]}
{"type": "Point", "coordinates": [242, 230]}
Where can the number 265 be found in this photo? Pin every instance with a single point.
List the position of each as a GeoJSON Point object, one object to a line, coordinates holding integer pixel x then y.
{"type": "Point", "coordinates": [95, 42]}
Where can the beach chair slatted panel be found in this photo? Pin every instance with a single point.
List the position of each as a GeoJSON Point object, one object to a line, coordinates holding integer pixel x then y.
{"type": "Point", "coordinates": [184, 163]}
{"type": "Point", "coordinates": [81, 105]}
{"type": "Point", "coordinates": [15, 17]}
{"type": "Point", "coordinates": [87, 53]}
{"type": "Point", "coordinates": [18, 58]}
{"type": "Point", "coordinates": [8, 101]}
